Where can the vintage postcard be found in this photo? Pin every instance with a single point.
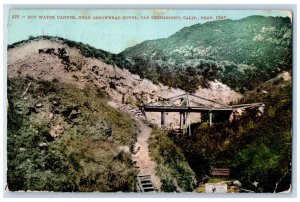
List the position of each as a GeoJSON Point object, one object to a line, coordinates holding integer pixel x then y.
{"type": "Point", "coordinates": [149, 100]}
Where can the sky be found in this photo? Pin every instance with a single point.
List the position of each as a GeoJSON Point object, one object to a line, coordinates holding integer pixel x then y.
{"type": "Point", "coordinates": [114, 35]}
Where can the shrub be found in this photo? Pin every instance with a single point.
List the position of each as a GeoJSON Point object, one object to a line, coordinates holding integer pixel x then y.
{"type": "Point", "coordinates": [82, 158]}
{"type": "Point", "coordinates": [172, 167]}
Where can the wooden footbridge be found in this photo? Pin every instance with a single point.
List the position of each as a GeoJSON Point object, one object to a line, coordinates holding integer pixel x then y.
{"type": "Point", "coordinates": [186, 104]}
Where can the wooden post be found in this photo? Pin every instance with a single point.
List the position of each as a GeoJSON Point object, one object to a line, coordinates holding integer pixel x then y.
{"type": "Point", "coordinates": [189, 124]}
{"type": "Point", "coordinates": [188, 114]}
{"type": "Point", "coordinates": [144, 113]}
{"type": "Point", "coordinates": [181, 120]}
{"type": "Point", "coordinates": [210, 118]}
{"type": "Point", "coordinates": [200, 120]}
{"type": "Point", "coordinates": [188, 100]}
{"type": "Point", "coordinates": [184, 122]}
{"type": "Point", "coordinates": [163, 117]}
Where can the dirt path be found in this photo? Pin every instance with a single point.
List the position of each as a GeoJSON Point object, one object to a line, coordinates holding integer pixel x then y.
{"type": "Point", "coordinates": [141, 153]}
{"type": "Point", "coordinates": [142, 157]}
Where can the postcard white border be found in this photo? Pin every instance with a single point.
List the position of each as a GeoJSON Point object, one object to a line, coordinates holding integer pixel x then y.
{"type": "Point", "coordinates": [295, 188]}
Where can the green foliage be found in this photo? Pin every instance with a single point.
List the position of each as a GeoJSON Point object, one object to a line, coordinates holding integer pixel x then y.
{"type": "Point", "coordinates": [174, 76]}
{"type": "Point", "coordinates": [172, 168]}
{"type": "Point", "coordinates": [85, 157]}
{"type": "Point", "coordinates": [242, 53]}
{"type": "Point", "coordinates": [30, 37]}
{"type": "Point", "coordinates": [262, 165]}
{"type": "Point", "coordinates": [14, 118]}
{"type": "Point", "coordinates": [215, 180]}
{"type": "Point", "coordinates": [255, 148]}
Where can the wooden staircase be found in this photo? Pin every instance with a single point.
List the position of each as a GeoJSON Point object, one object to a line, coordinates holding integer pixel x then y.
{"type": "Point", "coordinates": [145, 183]}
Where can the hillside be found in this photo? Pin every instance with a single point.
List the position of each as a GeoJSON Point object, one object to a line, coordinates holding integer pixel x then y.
{"type": "Point", "coordinates": [54, 59]}
{"type": "Point", "coordinates": [76, 114]}
{"type": "Point", "coordinates": [75, 109]}
{"type": "Point", "coordinates": [61, 138]}
{"type": "Point", "coordinates": [240, 53]}
{"type": "Point", "coordinates": [256, 148]}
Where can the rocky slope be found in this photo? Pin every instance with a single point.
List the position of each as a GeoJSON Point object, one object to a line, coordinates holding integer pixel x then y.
{"type": "Point", "coordinates": [65, 139]}
{"type": "Point", "coordinates": [51, 63]}
{"type": "Point", "coordinates": [53, 60]}
{"type": "Point", "coordinates": [46, 64]}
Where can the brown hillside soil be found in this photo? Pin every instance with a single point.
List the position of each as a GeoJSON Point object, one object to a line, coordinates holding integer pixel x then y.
{"type": "Point", "coordinates": [141, 154]}
{"type": "Point", "coordinates": [122, 86]}
{"type": "Point", "coordinates": [125, 89]}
